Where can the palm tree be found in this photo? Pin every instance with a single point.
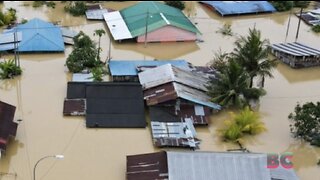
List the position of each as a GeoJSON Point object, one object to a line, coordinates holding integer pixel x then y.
{"type": "Point", "coordinates": [252, 53]}
{"type": "Point", "coordinates": [228, 88]}
{"type": "Point", "coordinates": [99, 32]}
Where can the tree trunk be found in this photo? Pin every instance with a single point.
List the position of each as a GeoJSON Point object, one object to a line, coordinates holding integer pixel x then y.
{"type": "Point", "coordinates": [262, 82]}
{"type": "Point", "coordinates": [251, 81]}
{"type": "Point", "coordinates": [99, 49]}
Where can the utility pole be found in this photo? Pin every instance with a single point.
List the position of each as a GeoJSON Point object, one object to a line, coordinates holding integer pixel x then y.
{"type": "Point", "coordinates": [109, 53]}
{"type": "Point", "coordinates": [299, 24]}
{"type": "Point", "coordinates": [288, 26]}
{"type": "Point", "coordinates": [146, 34]}
{"type": "Point", "coordinates": [15, 46]}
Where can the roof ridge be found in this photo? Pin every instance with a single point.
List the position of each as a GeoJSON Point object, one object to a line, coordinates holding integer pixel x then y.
{"type": "Point", "coordinates": [50, 40]}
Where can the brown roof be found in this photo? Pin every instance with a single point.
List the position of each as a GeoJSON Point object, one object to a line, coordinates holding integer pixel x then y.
{"type": "Point", "coordinates": [74, 107]}
{"type": "Point", "coordinates": [152, 166]}
{"type": "Point", "coordinates": [7, 126]}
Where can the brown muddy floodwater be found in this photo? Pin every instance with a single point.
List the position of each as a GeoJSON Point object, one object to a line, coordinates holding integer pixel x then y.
{"type": "Point", "coordinates": [100, 154]}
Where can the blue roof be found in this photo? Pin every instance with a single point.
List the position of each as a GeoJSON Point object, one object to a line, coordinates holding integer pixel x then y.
{"type": "Point", "coordinates": [129, 68]}
{"type": "Point", "coordinates": [39, 36]}
{"type": "Point", "coordinates": [240, 7]}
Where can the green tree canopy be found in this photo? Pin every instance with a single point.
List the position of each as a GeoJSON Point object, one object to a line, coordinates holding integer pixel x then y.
{"type": "Point", "coordinates": [306, 122]}
{"type": "Point", "coordinates": [177, 4]}
{"type": "Point", "coordinates": [231, 87]}
{"type": "Point", "coordinates": [252, 53]}
{"type": "Point", "coordinates": [84, 54]}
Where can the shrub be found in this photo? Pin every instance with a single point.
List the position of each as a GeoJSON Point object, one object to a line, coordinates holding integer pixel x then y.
{"type": "Point", "coordinates": [226, 30]}
{"type": "Point", "coordinates": [282, 5]}
{"type": "Point", "coordinates": [177, 4]}
{"type": "Point", "coordinates": [316, 28]}
{"type": "Point", "coordinates": [246, 122]}
{"type": "Point", "coordinates": [8, 69]}
{"type": "Point", "coordinates": [76, 8]}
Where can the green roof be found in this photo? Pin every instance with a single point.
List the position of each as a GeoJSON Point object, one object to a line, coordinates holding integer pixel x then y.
{"type": "Point", "coordinates": [159, 14]}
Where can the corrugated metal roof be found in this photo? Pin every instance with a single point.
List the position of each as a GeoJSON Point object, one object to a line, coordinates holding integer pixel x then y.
{"type": "Point", "coordinates": [129, 68]}
{"type": "Point", "coordinates": [240, 7]}
{"type": "Point", "coordinates": [194, 95]}
{"type": "Point", "coordinates": [96, 14]}
{"type": "Point", "coordinates": [159, 15]}
{"type": "Point", "coordinates": [152, 166]}
{"type": "Point", "coordinates": [209, 165]}
{"type": "Point", "coordinates": [117, 26]}
{"type": "Point", "coordinates": [74, 107]}
{"type": "Point", "coordinates": [175, 131]}
{"type": "Point", "coordinates": [39, 36]}
{"type": "Point", "coordinates": [199, 165]}
{"type": "Point", "coordinates": [66, 32]}
{"type": "Point", "coordinates": [296, 49]}
{"type": "Point", "coordinates": [168, 73]}
{"type": "Point", "coordinates": [9, 38]}
{"type": "Point", "coordinates": [172, 91]}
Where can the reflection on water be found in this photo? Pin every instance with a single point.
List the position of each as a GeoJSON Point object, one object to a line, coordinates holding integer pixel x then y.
{"type": "Point", "coordinates": [101, 154]}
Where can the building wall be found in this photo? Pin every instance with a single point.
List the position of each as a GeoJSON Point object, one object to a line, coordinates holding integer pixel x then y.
{"type": "Point", "coordinates": [168, 34]}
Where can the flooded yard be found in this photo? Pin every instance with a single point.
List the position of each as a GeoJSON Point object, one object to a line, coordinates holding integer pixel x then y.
{"type": "Point", "coordinates": [100, 154]}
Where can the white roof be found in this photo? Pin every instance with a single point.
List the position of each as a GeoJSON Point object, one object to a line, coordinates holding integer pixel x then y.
{"type": "Point", "coordinates": [117, 26]}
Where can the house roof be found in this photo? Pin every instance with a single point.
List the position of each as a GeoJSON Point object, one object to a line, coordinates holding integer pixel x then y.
{"type": "Point", "coordinates": [172, 91]}
{"type": "Point", "coordinates": [240, 7]}
{"type": "Point", "coordinates": [147, 166]}
{"type": "Point", "coordinates": [131, 22]}
{"type": "Point", "coordinates": [168, 73]}
{"type": "Point", "coordinates": [171, 113]}
{"type": "Point", "coordinates": [110, 104]}
{"type": "Point", "coordinates": [296, 49]}
{"type": "Point", "coordinates": [129, 68]}
{"type": "Point", "coordinates": [96, 14]}
{"type": "Point", "coordinates": [179, 134]}
{"type": "Point", "coordinates": [227, 166]}
{"type": "Point", "coordinates": [39, 36]}
{"type": "Point", "coordinates": [115, 105]}
{"type": "Point", "coordinates": [199, 165]}
{"type": "Point", "coordinates": [7, 126]}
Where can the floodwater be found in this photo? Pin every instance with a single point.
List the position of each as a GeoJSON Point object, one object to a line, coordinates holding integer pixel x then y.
{"type": "Point", "coordinates": [100, 154]}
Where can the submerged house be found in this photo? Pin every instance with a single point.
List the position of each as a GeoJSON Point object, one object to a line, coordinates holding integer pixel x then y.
{"type": "Point", "coordinates": [106, 104]}
{"type": "Point", "coordinates": [296, 54]}
{"type": "Point", "coordinates": [152, 22]}
{"type": "Point", "coordinates": [198, 165]}
{"type": "Point", "coordinates": [95, 12]}
{"type": "Point", "coordinates": [169, 130]}
{"type": "Point", "coordinates": [127, 71]}
{"type": "Point", "coordinates": [39, 36]}
{"type": "Point", "coordinates": [225, 8]}
{"type": "Point", "coordinates": [36, 36]}
{"type": "Point", "coordinates": [8, 128]}
{"type": "Point", "coordinates": [167, 83]}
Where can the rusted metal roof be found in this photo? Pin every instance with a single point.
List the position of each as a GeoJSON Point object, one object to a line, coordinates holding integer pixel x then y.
{"type": "Point", "coordinates": [74, 107]}
{"type": "Point", "coordinates": [178, 134]}
{"type": "Point", "coordinates": [152, 166]}
{"type": "Point", "coordinates": [168, 73]}
{"type": "Point", "coordinates": [178, 112]}
{"type": "Point", "coordinates": [7, 126]}
{"type": "Point", "coordinates": [172, 91]}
